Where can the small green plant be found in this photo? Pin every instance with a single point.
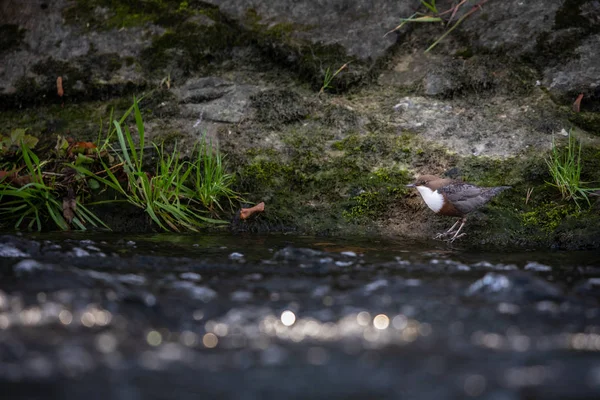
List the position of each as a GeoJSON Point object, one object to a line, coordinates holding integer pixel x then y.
{"type": "Point", "coordinates": [430, 5]}
{"type": "Point", "coordinates": [438, 17]}
{"type": "Point", "coordinates": [176, 194]}
{"type": "Point", "coordinates": [211, 182]}
{"type": "Point", "coordinates": [165, 195]}
{"type": "Point", "coordinates": [16, 138]}
{"type": "Point", "coordinates": [37, 200]}
{"type": "Point", "coordinates": [565, 167]}
{"type": "Point", "coordinates": [329, 76]}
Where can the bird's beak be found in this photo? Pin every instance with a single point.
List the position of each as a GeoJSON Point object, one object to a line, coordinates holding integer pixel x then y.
{"type": "Point", "coordinates": [410, 185]}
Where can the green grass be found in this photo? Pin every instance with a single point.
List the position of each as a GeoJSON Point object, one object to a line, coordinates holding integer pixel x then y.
{"type": "Point", "coordinates": [38, 202]}
{"type": "Point", "coordinates": [564, 165]}
{"type": "Point", "coordinates": [329, 76]}
{"type": "Point", "coordinates": [210, 181]}
{"type": "Point", "coordinates": [177, 195]}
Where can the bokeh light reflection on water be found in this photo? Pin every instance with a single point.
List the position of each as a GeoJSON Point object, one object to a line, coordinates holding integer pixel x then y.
{"type": "Point", "coordinates": [163, 306]}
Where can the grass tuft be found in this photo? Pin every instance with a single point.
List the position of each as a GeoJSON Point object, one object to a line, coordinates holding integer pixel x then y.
{"type": "Point", "coordinates": [36, 199]}
{"type": "Point", "coordinates": [565, 167]}
{"type": "Point", "coordinates": [177, 195]}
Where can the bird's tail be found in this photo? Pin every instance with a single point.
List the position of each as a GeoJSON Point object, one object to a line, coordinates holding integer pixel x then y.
{"type": "Point", "coordinates": [495, 190]}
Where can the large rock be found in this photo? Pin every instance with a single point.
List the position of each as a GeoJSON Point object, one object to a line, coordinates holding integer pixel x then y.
{"type": "Point", "coordinates": [358, 26]}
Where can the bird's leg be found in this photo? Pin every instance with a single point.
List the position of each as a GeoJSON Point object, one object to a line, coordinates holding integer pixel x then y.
{"type": "Point", "coordinates": [448, 232]}
{"type": "Point", "coordinates": [456, 235]}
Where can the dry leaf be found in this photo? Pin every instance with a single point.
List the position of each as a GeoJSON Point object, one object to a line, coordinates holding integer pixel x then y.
{"type": "Point", "coordinates": [81, 148]}
{"type": "Point", "coordinates": [59, 87]}
{"type": "Point", "coordinates": [577, 103]}
{"type": "Point", "coordinates": [69, 206]}
{"type": "Point", "coordinates": [245, 213]}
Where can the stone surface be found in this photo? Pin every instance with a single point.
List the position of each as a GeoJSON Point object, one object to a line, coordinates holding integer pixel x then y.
{"type": "Point", "coordinates": [358, 26]}
{"type": "Point", "coordinates": [51, 48]}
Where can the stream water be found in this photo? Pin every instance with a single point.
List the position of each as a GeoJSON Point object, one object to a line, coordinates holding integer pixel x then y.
{"type": "Point", "coordinates": [278, 316]}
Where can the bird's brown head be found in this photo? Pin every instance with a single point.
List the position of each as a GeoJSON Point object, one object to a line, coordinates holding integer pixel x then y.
{"type": "Point", "coordinates": [431, 181]}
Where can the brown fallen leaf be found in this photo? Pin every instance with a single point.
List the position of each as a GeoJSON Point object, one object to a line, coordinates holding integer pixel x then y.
{"type": "Point", "coordinates": [577, 103]}
{"type": "Point", "coordinates": [245, 213]}
{"type": "Point", "coordinates": [69, 206]}
{"type": "Point", "coordinates": [81, 147]}
{"type": "Point", "coordinates": [59, 87]}
{"type": "Point", "coordinates": [14, 178]}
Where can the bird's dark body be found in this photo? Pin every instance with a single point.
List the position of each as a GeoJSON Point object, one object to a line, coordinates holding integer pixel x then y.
{"type": "Point", "coordinates": [462, 198]}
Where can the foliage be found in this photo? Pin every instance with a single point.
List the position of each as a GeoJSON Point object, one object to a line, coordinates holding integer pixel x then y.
{"type": "Point", "coordinates": [329, 76]}
{"type": "Point", "coordinates": [166, 195]}
{"type": "Point", "coordinates": [176, 194]}
{"type": "Point", "coordinates": [211, 183]}
{"type": "Point", "coordinates": [17, 137]}
{"type": "Point", "coordinates": [37, 200]}
{"type": "Point", "coordinates": [565, 167]}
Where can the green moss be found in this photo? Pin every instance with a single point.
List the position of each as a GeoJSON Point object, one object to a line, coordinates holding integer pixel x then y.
{"type": "Point", "coordinates": [11, 37]}
{"type": "Point", "coordinates": [82, 121]}
{"type": "Point", "coordinates": [278, 106]}
{"type": "Point", "coordinates": [168, 138]}
{"type": "Point", "coordinates": [344, 185]}
{"type": "Point", "coordinates": [379, 191]}
{"type": "Point", "coordinates": [126, 13]}
{"type": "Point", "coordinates": [191, 47]}
{"type": "Point", "coordinates": [366, 205]}
{"type": "Point", "coordinates": [465, 52]}
{"type": "Point", "coordinates": [548, 216]}
{"type": "Point", "coordinates": [370, 145]}
{"type": "Point", "coordinates": [590, 121]}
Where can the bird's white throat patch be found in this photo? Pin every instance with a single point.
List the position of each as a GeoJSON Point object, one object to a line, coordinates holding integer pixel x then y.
{"type": "Point", "coordinates": [433, 199]}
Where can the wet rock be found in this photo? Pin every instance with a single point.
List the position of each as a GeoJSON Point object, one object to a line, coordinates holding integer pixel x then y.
{"type": "Point", "coordinates": [132, 279]}
{"type": "Point", "coordinates": [7, 250]}
{"type": "Point", "coordinates": [296, 254]}
{"type": "Point", "coordinates": [79, 252]}
{"type": "Point", "coordinates": [28, 267]}
{"type": "Point", "coordinates": [376, 285]}
{"type": "Point", "coordinates": [589, 287]}
{"type": "Point", "coordinates": [191, 276]}
{"type": "Point", "coordinates": [514, 287]}
{"type": "Point", "coordinates": [13, 246]}
{"type": "Point", "coordinates": [485, 265]}
{"type": "Point", "coordinates": [534, 266]}
{"type": "Point", "coordinates": [236, 256]}
{"type": "Point", "coordinates": [202, 293]}
{"type": "Point", "coordinates": [241, 296]}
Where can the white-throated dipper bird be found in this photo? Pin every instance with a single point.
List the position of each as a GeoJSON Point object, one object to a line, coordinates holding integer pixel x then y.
{"type": "Point", "coordinates": [453, 198]}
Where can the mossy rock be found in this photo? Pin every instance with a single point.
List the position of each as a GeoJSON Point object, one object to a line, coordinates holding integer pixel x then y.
{"type": "Point", "coordinates": [590, 121]}
{"type": "Point", "coordinates": [191, 48]}
{"type": "Point", "coordinates": [279, 106]}
{"type": "Point", "coordinates": [117, 14]}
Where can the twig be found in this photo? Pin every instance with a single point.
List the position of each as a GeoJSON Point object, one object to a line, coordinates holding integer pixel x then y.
{"type": "Point", "coordinates": [529, 191]}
